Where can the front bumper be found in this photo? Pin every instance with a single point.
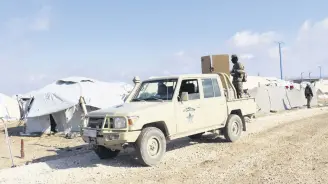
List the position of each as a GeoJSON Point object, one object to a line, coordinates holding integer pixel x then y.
{"type": "Point", "coordinates": [108, 139]}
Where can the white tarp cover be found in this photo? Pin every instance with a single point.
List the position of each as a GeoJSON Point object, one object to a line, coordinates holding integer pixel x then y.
{"type": "Point", "coordinates": [96, 93]}
{"type": "Point", "coordinates": [9, 108]}
{"type": "Point", "coordinates": [61, 98]}
{"type": "Point", "coordinates": [322, 85]}
{"type": "Point", "coordinates": [270, 98]}
{"type": "Point", "coordinates": [48, 103]}
{"type": "Point", "coordinates": [262, 99]}
{"type": "Point", "coordinates": [67, 120]}
{"type": "Point", "coordinates": [257, 81]}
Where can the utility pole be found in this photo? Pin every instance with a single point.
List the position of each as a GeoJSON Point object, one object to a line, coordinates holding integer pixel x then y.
{"type": "Point", "coordinates": [310, 75]}
{"type": "Point", "coordinates": [320, 71]}
{"type": "Point", "coordinates": [279, 44]}
{"type": "Point", "coordinates": [302, 76]}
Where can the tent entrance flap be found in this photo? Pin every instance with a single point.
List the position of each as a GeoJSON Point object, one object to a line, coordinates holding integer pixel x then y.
{"type": "Point", "coordinates": [53, 124]}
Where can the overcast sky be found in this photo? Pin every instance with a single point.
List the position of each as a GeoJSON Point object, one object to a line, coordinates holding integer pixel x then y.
{"type": "Point", "coordinates": [44, 40]}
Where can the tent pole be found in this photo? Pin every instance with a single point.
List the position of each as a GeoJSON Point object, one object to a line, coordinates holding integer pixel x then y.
{"type": "Point", "coordinates": [8, 143]}
{"type": "Point", "coordinates": [84, 108]}
{"type": "Point", "coordinates": [85, 112]}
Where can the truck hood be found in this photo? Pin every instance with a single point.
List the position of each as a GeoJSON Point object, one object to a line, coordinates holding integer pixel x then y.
{"type": "Point", "coordinates": [125, 109]}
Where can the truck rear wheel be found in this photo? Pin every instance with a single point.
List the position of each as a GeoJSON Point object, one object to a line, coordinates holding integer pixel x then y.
{"type": "Point", "coordinates": [233, 128]}
{"type": "Point", "coordinates": [105, 153]}
{"type": "Point", "coordinates": [150, 146]}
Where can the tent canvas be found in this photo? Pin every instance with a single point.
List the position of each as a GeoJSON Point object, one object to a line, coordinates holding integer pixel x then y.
{"type": "Point", "coordinates": [58, 103]}
{"type": "Point", "coordinates": [66, 121]}
{"type": "Point", "coordinates": [9, 108]}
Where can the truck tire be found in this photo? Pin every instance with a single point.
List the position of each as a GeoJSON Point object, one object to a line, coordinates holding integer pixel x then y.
{"type": "Point", "coordinates": [196, 136]}
{"type": "Point", "coordinates": [105, 153]}
{"type": "Point", "coordinates": [150, 146]}
{"type": "Point", "coordinates": [233, 128]}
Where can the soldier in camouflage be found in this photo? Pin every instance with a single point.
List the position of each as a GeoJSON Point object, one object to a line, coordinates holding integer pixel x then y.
{"type": "Point", "coordinates": [237, 73]}
{"type": "Point", "coordinates": [308, 95]}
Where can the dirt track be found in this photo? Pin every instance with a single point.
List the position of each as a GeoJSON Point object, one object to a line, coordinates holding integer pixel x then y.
{"type": "Point", "coordinates": [295, 152]}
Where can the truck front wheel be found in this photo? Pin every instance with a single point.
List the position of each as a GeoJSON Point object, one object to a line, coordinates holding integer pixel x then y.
{"type": "Point", "coordinates": [233, 128]}
{"type": "Point", "coordinates": [105, 153]}
{"type": "Point", "coordinates": [150, 146]}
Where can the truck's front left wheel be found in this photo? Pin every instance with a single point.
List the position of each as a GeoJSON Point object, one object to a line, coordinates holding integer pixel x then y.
{"type": "Point", "coordinates": [150, 146]}
{"type": "Point", "coordinates": [105, 153]}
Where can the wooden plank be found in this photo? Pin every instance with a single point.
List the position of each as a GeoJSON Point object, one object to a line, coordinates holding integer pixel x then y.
{"type": "Point", "coordinates": [206, 64]}
{"type": "Point", "coordinates": [221, 63]}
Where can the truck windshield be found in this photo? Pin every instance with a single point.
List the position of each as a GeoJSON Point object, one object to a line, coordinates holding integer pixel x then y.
{"type": "Point", "coordinates": [156, 90]}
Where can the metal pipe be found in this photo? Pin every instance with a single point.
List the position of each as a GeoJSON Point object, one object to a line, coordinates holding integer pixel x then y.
{"type": "Point", "coordinates": [320, 71]}
{"type": "Point", "coordinates": [8, 143]}
{"type": "Point", "coordinates": [281, 75]}
{"type": "Point", "coordinates": [137, 82]}
{"type": "Point", "coordinates": [22, 149]}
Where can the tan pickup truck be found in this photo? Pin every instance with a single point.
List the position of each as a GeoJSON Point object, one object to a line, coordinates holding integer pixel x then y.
{"type": "Point", "coordinates": [161, 109]}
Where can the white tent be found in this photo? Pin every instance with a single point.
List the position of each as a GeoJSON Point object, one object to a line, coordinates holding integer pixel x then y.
{"type": "Point", "coordinates": [58, 103]}
{"type": "Point", "coordinates": [9, 108]}
{"type": "Point", "coordinates": [257, 81]}
{"type": "Point", "coordinates": [322, 85]}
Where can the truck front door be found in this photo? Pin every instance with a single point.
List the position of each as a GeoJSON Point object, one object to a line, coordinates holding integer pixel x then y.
{"type": "Point", "coordinates": [189, 114]}
{"type": "Point", "coordinates": [214, 105]}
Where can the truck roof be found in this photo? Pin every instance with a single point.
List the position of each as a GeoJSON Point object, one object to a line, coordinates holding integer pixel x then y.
{"type": "Point", "coordinates": [182, 76]}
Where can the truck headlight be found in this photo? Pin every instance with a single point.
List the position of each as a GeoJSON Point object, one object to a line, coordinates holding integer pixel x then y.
{"type": "Point", "coordinates": [119, 122]}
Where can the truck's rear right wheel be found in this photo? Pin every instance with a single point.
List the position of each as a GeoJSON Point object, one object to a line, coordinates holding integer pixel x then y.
{"type": "Point", "coordinates": [105, 153]}
{"type": "Point", "coordinates": [150, 146]}
{"type": "Point", "coordinates": [233, 128]}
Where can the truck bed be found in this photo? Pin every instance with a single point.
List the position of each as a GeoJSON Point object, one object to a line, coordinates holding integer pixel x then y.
{"type": "Point", "coordinates": [246, 105]}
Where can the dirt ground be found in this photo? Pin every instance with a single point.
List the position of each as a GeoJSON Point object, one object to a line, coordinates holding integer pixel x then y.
{"type": "Point", "coordinates": [282, 148]}
{"type": "Point", "coordinates": [36, 149]}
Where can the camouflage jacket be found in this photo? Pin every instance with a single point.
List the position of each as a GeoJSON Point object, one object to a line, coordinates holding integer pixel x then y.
{"type": "Point", "coordinates": [308, 91]}
{"type": "Point", "coordinates": [237, 72]}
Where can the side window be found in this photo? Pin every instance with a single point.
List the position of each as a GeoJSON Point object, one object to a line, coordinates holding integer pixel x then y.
{"type": "Point", "coordinates": [208, 88]}
{"type": "Point", "coordinates": [191, 86]}
{"type": "Point", "coordinates": [217, 92]}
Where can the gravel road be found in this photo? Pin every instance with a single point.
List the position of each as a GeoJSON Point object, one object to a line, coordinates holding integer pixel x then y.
{"type": "Point", "coordinates": [284, 148]}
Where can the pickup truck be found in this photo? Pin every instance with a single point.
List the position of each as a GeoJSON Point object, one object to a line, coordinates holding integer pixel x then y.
{"type": "Point", "coordinates": [162, 109]}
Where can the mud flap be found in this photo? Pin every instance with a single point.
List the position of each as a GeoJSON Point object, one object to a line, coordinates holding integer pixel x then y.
{"type": "Point", "coordinates": [244, 123]}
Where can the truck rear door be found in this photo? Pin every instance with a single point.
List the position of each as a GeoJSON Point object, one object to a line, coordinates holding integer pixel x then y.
{"type": "Point", "coordinates": [189, 114]}
{"type": "Point", "coordinates": [214, 104]}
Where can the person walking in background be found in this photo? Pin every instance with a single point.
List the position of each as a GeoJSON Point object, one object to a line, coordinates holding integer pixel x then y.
{"type": "Point", "coordinates": [308, 95]}
{"type": "Point", "coordinates": [238, 74]}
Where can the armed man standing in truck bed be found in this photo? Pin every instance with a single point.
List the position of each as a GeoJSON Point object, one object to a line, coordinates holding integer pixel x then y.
{"type": "Point", "coordinates": [238, 74]}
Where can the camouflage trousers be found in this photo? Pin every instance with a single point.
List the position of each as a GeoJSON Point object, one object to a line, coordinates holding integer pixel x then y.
{"type": "Point", "coordinates": [308, 101]}
{"type": "Point", "coordinates": [239, 88]}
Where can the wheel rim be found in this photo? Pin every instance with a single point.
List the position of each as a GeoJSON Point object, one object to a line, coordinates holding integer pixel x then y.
{"type": "Point", "coordinates": [235, 128]}
{"type": "Point", "coordinates": [153, 146]}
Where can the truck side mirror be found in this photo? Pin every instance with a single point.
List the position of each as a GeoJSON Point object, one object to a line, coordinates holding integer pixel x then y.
{"type": "Point", "coordinates": [184, 96]}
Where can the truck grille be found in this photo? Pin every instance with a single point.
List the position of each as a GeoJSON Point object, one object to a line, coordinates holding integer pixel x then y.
{"type": "Point", "coordinates": [111, 123]}
{"type": "Point", "coordinates": [95, 122]}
